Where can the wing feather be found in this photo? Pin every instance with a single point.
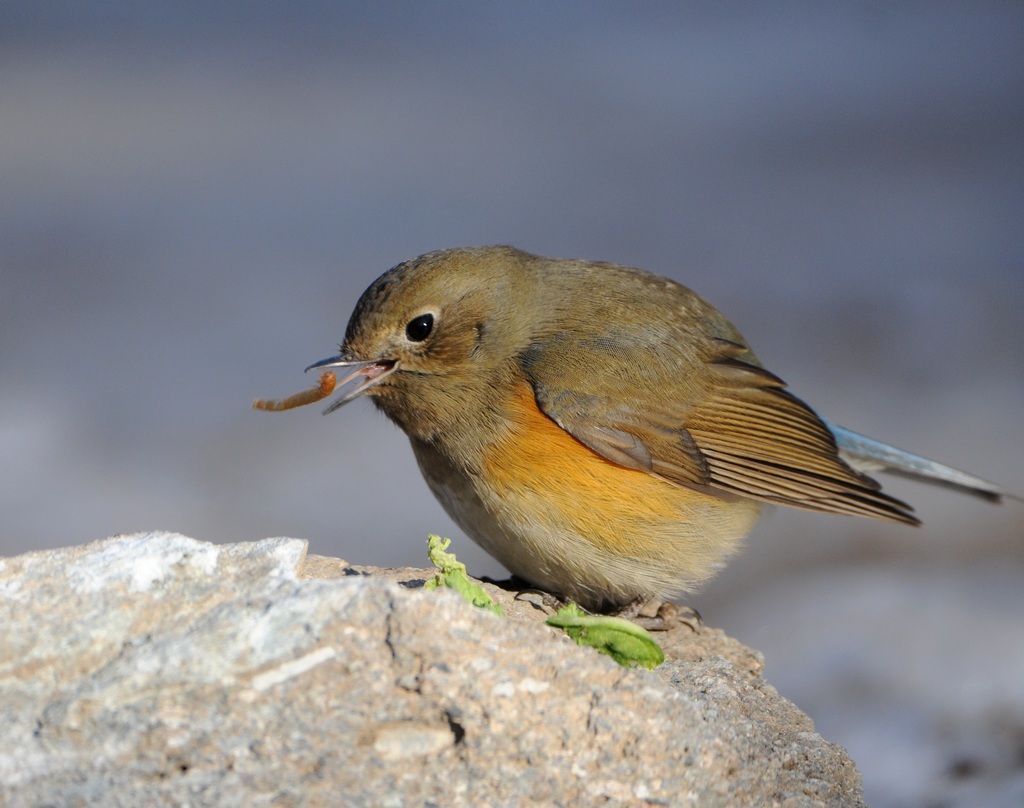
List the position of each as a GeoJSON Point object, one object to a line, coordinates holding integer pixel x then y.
{"type": "Point", "coordinates": [731, 426]}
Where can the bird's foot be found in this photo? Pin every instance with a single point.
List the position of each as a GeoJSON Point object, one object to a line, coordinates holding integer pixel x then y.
{"type": "Point", "coordinates": [655, 614]}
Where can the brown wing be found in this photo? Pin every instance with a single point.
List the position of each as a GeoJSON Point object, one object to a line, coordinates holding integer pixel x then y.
{"type": "Point", "coordinates": [725, 423]}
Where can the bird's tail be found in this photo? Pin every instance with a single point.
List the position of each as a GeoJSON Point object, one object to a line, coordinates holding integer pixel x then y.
{"type": "Point", "coordinates": [869, 455]}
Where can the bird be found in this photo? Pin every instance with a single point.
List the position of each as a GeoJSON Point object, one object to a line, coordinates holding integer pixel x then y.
{"type": "Point", "coordinates": [603, 432]}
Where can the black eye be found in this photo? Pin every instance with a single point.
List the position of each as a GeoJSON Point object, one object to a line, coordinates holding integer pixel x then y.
{"type": "Point", "coordinates": [419, 328]}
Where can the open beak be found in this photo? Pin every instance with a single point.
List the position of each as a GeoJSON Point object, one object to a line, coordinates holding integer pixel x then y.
{"type": "Point", "coordinates": [372, 371]}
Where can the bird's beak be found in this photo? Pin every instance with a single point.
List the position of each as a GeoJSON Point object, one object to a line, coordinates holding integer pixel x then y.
{"type": "Point", "coordinates": [373, 372]}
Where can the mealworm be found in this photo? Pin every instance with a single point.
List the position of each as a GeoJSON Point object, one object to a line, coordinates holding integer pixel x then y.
{"type": "Point", "coordinates": [323, 389]}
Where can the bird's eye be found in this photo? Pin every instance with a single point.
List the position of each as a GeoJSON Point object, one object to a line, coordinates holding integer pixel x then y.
{"type": "Point", "coordinates": [419, 328]}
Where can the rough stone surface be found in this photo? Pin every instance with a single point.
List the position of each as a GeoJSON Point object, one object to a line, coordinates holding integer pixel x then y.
{"type": "Point", "coordinates": [154, 669]}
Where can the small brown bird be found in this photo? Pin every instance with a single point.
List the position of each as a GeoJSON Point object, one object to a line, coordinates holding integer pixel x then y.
{"type": "Point", "coordinates": [603, 432]}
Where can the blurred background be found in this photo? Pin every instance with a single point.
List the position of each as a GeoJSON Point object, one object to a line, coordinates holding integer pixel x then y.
{"type": "Point", "coordinates": [194, 195]}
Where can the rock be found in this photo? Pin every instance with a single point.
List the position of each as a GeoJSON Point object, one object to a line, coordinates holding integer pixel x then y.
{"type": "Point", "coordinates": [154, 669]}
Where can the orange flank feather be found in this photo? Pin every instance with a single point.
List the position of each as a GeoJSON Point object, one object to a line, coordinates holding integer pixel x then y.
{"type": "Point", "coordinates": [620, 510]}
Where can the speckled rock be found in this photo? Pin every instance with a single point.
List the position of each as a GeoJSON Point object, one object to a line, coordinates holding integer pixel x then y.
{"type": "Point", "coordinates": [155, 669]}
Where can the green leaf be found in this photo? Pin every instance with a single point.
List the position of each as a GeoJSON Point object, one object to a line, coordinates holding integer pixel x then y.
{"type": "Point", "coordinates": [625, 642]}
{"type": "Point", "coordinates": [452, 575]}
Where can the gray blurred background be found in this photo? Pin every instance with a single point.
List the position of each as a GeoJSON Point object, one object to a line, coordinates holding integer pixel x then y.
{"type": "Point", "coordinates": [194, 194]}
